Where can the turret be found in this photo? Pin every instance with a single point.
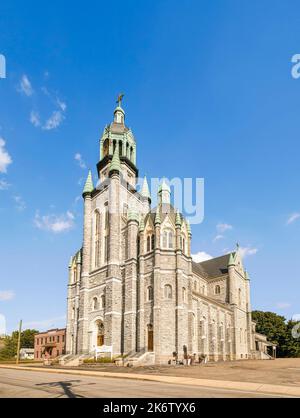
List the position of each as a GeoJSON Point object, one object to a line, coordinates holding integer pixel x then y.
{"type": "Point", "coordinates": [164, 193]}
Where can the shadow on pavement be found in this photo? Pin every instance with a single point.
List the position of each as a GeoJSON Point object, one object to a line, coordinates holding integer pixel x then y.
{"type": "Point", "coordinates": [65, 385]}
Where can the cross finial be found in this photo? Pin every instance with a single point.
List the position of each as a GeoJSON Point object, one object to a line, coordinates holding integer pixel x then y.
{"type": "Point", "coordinates": [120, 98]}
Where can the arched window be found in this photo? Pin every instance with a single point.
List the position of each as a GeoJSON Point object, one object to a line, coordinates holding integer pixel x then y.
{"type": "Point", "coordinates": [217, 290]}
{"type": "Point", "coordinates": [168, 291]}
{"type": "Point", "coordinates": [95, 304]}
{"type": "Point", "coordinates": [120, 148]}
{"type": "Point", "coordinates": [193, 325]}
{"type": "Point", "coordinates": [184, 295]}
{"type": "Point", "coordinates": [97, 239]}
{"type": "Point", "coordinates": [152, 242]}
{"type": "Point", "coordinates": [106, 231]}
{"type": "Point", "coordinates": [74, 275]}
{"type": "Point", "coordinates": [149, 293]}
{"type": "Point", "coordinates": [182, 244]}
{"type": "Point", "coordinates": [73, 312]}
{"type": "Point", "coordinates": [195, 286]}
{"type": "Point", "coordinates": [106, 224]}
{"type": "Point", "coordinates": [102, 298]}
{"type": "Point", "coordinates": [106, 148]}
{"type": "Point", "coordinates": [168, 239]}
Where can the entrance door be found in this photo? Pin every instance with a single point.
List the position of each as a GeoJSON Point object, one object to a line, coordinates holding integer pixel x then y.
{"type": "Point", "coordinates": [100, 340]}
{"type": "Point", "coordinates": [150, 338]}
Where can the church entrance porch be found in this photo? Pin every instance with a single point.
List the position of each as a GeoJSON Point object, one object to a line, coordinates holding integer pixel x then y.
{"type": "Point", "coordinates": [96, 335]}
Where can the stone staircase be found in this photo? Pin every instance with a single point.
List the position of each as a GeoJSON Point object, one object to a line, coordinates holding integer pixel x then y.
{"type": "Point", "coordinates": [260, 355]}
{"type": "Point", "coordinates": [144, 358]}
{"type": "Point", "coordinates": [73, 360]}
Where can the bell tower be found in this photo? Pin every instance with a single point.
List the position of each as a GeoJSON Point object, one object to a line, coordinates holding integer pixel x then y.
{"type": "Point", "coordinates": [117, 136]}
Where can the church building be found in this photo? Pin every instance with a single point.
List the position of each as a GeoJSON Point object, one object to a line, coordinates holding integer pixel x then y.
{"type": "Point", "coordinates": [134, 287]}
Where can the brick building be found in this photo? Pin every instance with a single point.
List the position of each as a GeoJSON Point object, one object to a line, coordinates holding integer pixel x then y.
{"type": "Point", "coordinates": [50, 344]}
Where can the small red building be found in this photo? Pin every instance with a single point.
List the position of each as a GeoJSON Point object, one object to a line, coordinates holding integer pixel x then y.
{"type": "Point", "coordinates": [50, 344]}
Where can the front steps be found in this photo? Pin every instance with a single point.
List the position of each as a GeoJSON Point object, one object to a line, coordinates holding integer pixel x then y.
{"type": "Point", "coordinates": [137, 359]}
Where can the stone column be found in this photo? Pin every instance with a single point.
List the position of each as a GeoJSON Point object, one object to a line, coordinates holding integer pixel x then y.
{"type": "Point", "coordinates": [130, 293]}
{"type": "Point", "coordinates": [156, 291]}
{"type": "Point", "coordinates": [84, 285]}
{"type": "Point", "coordinates": [114, 291]}
{"type": "Point", "coordinates": [69, 331]}
{"type": "Point", "coordinates": [141, 340]}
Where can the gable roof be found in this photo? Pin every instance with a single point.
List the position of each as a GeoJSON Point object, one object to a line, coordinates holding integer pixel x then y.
{"type": "Point", "coordinates": [212, 268]}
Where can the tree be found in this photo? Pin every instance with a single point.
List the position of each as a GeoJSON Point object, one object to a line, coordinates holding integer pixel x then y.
{"type": "Point", "coordinates": [9, 351]}
{"type": "Point", "coordinates": [278, 331]}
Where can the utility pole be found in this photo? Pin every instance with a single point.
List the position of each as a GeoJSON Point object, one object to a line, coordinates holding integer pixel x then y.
{"type": "Point", "coordinates": [19, 342]}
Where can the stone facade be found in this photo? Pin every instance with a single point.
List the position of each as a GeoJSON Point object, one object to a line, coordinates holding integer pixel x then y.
{"type": "Point", "coordinates": [134, 286]}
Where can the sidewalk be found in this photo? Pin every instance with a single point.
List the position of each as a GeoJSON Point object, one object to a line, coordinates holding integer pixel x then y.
{"type": "Point", "coordinates": [221, 384]}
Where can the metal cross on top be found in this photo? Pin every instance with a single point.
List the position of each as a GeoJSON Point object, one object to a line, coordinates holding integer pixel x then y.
{"type": "Point", "coordinates": [120, 98]}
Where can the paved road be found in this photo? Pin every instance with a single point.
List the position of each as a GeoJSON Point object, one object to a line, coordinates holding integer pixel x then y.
{"type": "Point", "coordinates": [27, 384]}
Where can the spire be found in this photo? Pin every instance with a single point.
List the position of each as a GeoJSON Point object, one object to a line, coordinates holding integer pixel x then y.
{"type": "Point", "coordinates": [71, 262]}
{"type": "Point", "coordinates": [89, 185]}
{"type": "Point", "coordinates": [178, 219]}
{"type": "Point", "coordinates": [247, 275]}
{"type": "Point", "coordinates": [164, 192]}
{"type": "Point", "coordinates": [115, 162]}
{"type": "Point", "coordinates": [157, 216]}
{"type": "Point", "coordinates": [188, 226]}
{"type": "Point", "coordinates": [119, 114]}
{"type": "Point", "coordinates": [231, 261]}
{"type": "Point", "coordinates": [78, 258]}
{"type": "Point", "coordinates": [145, 192]}
{"type": "Point", "coordinates": [142, 224]}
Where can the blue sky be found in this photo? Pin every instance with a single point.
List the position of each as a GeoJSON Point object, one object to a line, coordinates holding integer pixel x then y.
{"type": "Point", "coordinates": [209, 93]}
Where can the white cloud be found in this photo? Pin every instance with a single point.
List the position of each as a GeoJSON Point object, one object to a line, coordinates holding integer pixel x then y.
{"type": "Point", "coordinates": [62, 105]}
{"type": "Point", "coordinates": [296, 317]}
{"type": "Point", "coordinates": [25, 86]}
{"type": "Point", "coordinates": [201, 256]}
{"type": "Point", "coordinates": [46, 324]}
{"type": "Point", "coordinates": [4, 185]}
{"type": "Point", "coordinates": [246, 251]}
{"type": "Point", "coordinates": [57, 116]}
{"type": "Point", "coordinates": [223, 227]}
{"type": "Point", "coordinates": [6, 295]}
{"type": "Point", "coordinates": [283, 305]}
{"type": "Point", "coordinates": [292, 218]}
{"type": "Point", "coordinates": [218, 237]}
{"type": "Point", "coordinates": [20, 204]}
{"type": "Point", "coordinates": [54, 223]}
{"type": "Point", "coordinates": [80, 161]}
{"type": "Point", "coordinates": [5, 158]}
{"type": "Point", "coordinates": [35, 118]}
{"type": "Point", "coordinates": [54, 121]}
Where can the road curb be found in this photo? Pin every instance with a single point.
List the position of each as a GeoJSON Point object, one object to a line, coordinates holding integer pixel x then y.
{"type": "Point", "coordinates": [220, 384]}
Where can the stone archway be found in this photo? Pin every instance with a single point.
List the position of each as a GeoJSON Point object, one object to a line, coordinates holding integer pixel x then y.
{"type": "Point", "coordinates": [96, 333]}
